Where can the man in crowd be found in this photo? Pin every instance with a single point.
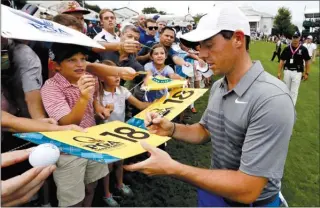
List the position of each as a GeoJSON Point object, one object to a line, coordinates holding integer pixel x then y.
{"type": "Point", "coordinates": [312, 48]}
{"type": "Point", "coordinates": [167, 37]}
{"type": "Point", "coordinates": [108, 35]}
{"type": "Point", "coordinates": [189, 27]}
{"type": "Point", "coordinates": [292, 63]}
{"type": "Point", "coordinates": [161, 24]}
{"type": "Point", "coordinates": [277, 52]}
{"type": "Point", "coordinates": [130, 32]}
{"type": "Point", "coordinates": [141, 26]}
{"type": "Point", "coordinates": [249, 146]}
{"type": "Point", "coordinates": [151, 29]}
{"type": "Point", "coordinates": [108, 38]}
{"type": "Point", "coordinates": [73, 8]}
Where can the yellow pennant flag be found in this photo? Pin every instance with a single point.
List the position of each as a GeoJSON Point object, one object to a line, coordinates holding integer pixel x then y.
{"type": "Point", "coordinates": [177, 102]}
{"type": "Point", "coordinates": [115, 138]}
{"type": "Point", "coordinates": [160, 83]}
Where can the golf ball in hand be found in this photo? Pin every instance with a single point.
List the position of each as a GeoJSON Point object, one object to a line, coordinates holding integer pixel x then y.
{"type": "Point", "coordinates": [44, 155]}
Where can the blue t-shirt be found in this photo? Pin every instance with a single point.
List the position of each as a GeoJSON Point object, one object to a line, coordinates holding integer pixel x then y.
{"type": "Point", "coordinates": [146, 38]}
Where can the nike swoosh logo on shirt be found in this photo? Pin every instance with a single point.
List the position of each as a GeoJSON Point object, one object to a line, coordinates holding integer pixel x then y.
{"type": "Point", "coordinates": [240, 102]}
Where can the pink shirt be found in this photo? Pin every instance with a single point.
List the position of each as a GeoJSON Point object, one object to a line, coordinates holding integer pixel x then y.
{"type": "Point", "coordinates": [59, 96]}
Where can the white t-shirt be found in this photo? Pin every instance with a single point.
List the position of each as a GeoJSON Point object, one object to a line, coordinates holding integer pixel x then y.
{"type": "Point", "coordinates": [118, 99]}
{"type": "Point", "coordinates": [311, 47]}
{"type": "Point", "coordinates": [106, 36]}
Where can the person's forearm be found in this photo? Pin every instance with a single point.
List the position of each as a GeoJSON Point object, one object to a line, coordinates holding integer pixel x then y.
{"type": "Point", "coordinates": [178, 61]}
{"type": "Point", "coordinates": [19, 124]}
{"type": "Point", "coordinates": [76, 114]}
{"type": "Point", "coordinates": [307, 67]}
{"type": "Point", "coordinates": [280, 67]}
{"type": "Point", "coordinates": [175, 76]}
{"type": "Point", "coordinates": [234, 185]}
{"type": "Point", "coordinates": [107, 47]}
{"type": "Point", "coordinates": [102, 70]}
{"type": "Point", "coordinates": [194, 134]}
{"type": "Point", "coordinates": [193, 56]}
{"type": "Point", "coordinates": [143, 58]}
{"type": "Point", "coordinates": [34, 104]}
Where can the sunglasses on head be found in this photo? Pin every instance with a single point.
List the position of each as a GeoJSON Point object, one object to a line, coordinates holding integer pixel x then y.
{"type": "Point", "coordinates": [153, 28]}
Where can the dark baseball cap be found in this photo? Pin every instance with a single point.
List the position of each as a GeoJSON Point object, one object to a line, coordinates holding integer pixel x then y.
{"type": "Point", "coordinates": [296, 34]}
{"type": "Point", "coordinates": [62, 51]}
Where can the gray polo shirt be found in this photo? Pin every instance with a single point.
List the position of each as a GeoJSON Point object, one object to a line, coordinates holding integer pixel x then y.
{"type": "Point", "coordinates": [27, 74]}
{"type": "Point", "coordinates": [250, 126]}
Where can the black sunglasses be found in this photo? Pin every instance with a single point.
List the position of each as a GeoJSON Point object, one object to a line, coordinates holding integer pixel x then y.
{"type": "Point", "coordinates": [153, 28]}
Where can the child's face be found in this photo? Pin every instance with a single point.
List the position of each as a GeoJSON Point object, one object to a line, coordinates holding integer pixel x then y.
{"type": "Point", "coordinates": [112, 81]}
{"type": "Point", "coordinates": [73, 68]}
{"type": "Point", "coordinates": [158, 56]}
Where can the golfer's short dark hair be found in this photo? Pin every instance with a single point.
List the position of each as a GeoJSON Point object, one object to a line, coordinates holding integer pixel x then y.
{"type": "Point", "coordinates": [226, 34]}
{"type": "Point", "coordinates": [68, 20]}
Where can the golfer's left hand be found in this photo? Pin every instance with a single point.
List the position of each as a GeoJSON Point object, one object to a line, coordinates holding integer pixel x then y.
{"type": "Point", "coordinates": [159, 162]}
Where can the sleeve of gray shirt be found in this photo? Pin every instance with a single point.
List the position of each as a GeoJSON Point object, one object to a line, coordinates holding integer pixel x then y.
{"type": "Point", "coordinates": [29, 66]}
{"type": "Point", "coordinates": [267, 139]}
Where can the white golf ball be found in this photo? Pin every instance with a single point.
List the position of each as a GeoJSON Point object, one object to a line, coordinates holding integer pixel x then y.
{"type": "Point", "coordinates": [44, 155]}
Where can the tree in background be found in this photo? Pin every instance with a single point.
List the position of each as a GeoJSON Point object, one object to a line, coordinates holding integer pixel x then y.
{"type": "Point", "coordinates": [197, 17]}
{"type": "Point", "coordinates": [149, 10]}
{"type": "Point", "coordinates": [162, 12]}
{"type": "Point", "coordinates": [282, 22]}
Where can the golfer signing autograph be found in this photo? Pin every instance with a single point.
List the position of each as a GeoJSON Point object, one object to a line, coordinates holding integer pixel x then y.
{"type": "Point", "coordinates": [249, 119]}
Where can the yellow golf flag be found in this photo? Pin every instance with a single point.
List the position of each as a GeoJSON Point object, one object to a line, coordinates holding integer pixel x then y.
{"type": "Point", "coordinates": [177, 102]}
{"type": "Point", "coordinates": [115, 138]}
{"type": "Point", "coordinates": [159, 83]}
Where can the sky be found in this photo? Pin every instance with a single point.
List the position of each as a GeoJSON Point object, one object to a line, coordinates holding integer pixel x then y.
{"type": "Point", "coordinates": [181, 7]}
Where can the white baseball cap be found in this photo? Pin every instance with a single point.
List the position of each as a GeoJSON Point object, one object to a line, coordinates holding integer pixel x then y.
{"type": "Point", "coordinates": [310, 37]}
{"type": "Point", "coordinates": [225, 16]}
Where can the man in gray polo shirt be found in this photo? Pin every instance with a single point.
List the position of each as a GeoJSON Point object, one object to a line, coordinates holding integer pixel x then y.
{"type": "Point", "coordinates": [249, 119]}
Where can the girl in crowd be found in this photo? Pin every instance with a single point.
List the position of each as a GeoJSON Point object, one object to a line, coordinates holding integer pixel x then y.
{"type": "Point", "coordinates": [113, 96]}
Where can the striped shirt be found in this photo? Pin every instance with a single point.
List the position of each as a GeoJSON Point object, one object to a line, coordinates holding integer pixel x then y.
{"type": "Point", "coordinates": [59, 96]}
{"type": "Point", "coordinates": [250, 126]}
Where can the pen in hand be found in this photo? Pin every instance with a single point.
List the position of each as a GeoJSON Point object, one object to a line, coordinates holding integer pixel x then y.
{"type": "Point", "coordinates": [166, 112]}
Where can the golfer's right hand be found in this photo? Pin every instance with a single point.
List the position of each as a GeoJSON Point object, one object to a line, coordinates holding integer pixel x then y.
{"type": "Point", "coordinates": [161, 126]}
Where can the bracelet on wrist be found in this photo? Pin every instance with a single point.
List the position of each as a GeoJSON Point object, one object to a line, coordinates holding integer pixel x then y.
{"type": "Point", "coordinates": [174, 129]}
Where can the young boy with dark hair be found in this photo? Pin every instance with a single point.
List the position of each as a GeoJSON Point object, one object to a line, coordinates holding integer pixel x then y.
{"type": "Point", "coordinates": [69, 97]}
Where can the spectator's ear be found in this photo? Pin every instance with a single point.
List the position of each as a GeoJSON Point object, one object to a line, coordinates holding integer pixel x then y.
{"type": "Point", "coordinates": [56, 66]}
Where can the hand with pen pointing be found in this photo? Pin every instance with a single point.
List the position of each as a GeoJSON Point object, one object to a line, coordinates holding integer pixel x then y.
{"type": "Point", "coordinates": [156, 124]}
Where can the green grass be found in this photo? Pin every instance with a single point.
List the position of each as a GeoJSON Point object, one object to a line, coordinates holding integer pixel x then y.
{"type": "Point", "coordinates": [300, 184]}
